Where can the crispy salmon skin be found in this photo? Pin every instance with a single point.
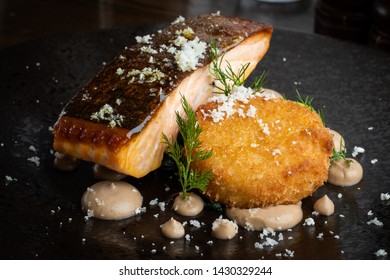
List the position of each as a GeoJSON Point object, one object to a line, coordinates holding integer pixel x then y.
{"type": "Point", "coordinates": [118, 118]}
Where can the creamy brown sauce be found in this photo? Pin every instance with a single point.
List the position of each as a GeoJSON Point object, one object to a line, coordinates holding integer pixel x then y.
{"type": "Point", "coordinates": [64, 162]}
{"type": "Point", "coordinates": [190, 206]}
{"type": "Point", "coordinates": [324, 206]}
{"type": "Point", "coordinates": [103, 173]}
{"type": "Point", "coordinates": [111, 200]}
{"type": "Point", "coordinates": [224, 229]}
{"type": "Point", "coordinates": [273, 93]}
{"type": "Point", "coordinates": [338, 140]}
{"type": "Point", "coordinates": [278, 217]}
{"type": "Point", "coordinates": [345, 172]}
{"type": "Point", "coordinates": [172, 229]}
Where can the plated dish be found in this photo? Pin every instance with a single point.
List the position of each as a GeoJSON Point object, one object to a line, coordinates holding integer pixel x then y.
{"type": "Point", "coordinates": [44, 204]}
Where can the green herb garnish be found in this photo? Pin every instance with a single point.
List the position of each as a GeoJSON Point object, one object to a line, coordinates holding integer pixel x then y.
{"type": "Point", "coordinates": [190, 152]}
{"type": "Point", "coordinates": [227, 77]}
{"type": "Point", "coordinates": [307, 103]}
{"type": "Point", "coordinates": [259, 82]}
{"type": "Point", "coordinates": [341, 154]}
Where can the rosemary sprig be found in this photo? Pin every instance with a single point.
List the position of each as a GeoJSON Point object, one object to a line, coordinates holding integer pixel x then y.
{"type": "Point", "coordinates": [190, 152]}
{"type": "Point", "coordinates": [227, 77]}
{"type": "Point", "coordinates": [307, 103]}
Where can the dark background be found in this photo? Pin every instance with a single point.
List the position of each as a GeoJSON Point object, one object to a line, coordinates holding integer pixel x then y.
{"type": "Point", "coordinates": [363, 21]}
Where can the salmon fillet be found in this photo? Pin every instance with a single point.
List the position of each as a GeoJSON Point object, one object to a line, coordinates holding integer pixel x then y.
{"type": "Point", "coordinates": [118, 118]}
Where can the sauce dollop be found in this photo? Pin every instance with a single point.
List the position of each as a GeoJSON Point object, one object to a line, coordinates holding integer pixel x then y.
{"type": "Point", "coordinates": [64, 162]}
{"type": "Point", "coordinates": [278, 217]}
{"type": "Point", "coordinates": [345, 172]}
{"type": "Point", "coordinates": [173, 229]}
{"type": "Point", "coordinates": [224, 229]}
{"type": "Point", "coordinates": [192, 205]}
{"type": "Point", "coordinates": [273, 93]}
{"type": "Point", "coordinates": [103, 173]}
{"type": "Point", "coordinates": [111, 200]}
{"type": "Point", "coordinates": [338, 140]}
{"type": "Point", "coordinates": [324, 206]}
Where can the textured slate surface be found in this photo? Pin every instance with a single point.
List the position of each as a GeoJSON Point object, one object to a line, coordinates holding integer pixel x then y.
{"type": "Point", "coordinates": [41, 215]}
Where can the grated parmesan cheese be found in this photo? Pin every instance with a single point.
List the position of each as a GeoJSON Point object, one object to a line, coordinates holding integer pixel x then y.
{"type": "Point", "coordinates": [309, 222]}
{"type": "Point", "coordinates": [357, 150]}
{"type": "Point", "coordinates": [376, 222]}
{"type": "Point", "coordinates": [381, 253]}
{"type": "Point", "coordinates": [178, 20]}
{"type": "Point", "coordinates": [35, 160]}
{"type": "Point", "coordinates": [385, 196]}
{"type": "Point", "coordinates": [195, 223]}
{"type": "Point", "coordinates": [106, 113]}
{"type": "Point", "coordinates": [187, 58]}
{"type": "Point", "coordinates": [147, 39]}
{"type": "Point", "coordinates": [153, 202]}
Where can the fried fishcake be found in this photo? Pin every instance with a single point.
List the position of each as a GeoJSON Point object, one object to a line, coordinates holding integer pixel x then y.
{"type": "Point", "coordinates": [267, 152]}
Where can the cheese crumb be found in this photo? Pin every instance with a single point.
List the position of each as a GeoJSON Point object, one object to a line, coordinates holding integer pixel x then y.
{"type": "Point", "coordinates": [381, 253]}
{"type": "Point", "coordinates": [178, 20]}
{"type": "Point", "coordinates": [309, 222]}
{"type": "Point", "coordinates": [106, 113]}
{"type": "Point", "coordinates": [153, 202]}
{"type": "Point", "coordinates": [34, 160]}
{"type": "Point", "coordinates": [162, 206]}
{"type": "Point", "coordinates": [147, 39]}
{"type": "Point", "coordinates": [195, 223]}
{"type": "Point", "coordinates": [357, 150]}
{"type": "Point", "coordinates": [373, 161]}
{"type": "Point", "coordinates": [385, 196]}
{"type": "Point", "coordinates": [376, 222]}
{"type": "Point", "coordinates": [187, 58]}
{"type": "Point", "coordinates": [119, 71]}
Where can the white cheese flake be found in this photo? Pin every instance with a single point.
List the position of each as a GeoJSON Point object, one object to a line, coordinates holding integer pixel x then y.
{"type": "Point", "coordinates": [153, 202]}
{"type": "Point", "coordinates": [106, 113]}
{"type": "Point", "coordinates": [162, 206]}
{"type": "Point", "coordinates": [276, 152]}
{"type": "Point", "coordinates": [147, 39]}
{"type": "Point", "coordinates": [373, 161]}
{"type": "Point", "coordinates": [381, 253]}
{"type": "Point", "coordinates": [35, 160]}
{"type": "Point", "coordinates": [119, 71]}
{"type": "Point", "coordinates": [385, 196]}
{"type": "Point", "coordinates": [309, 222]}
{"type": "Point", "coordinates": [357, 150]}
{"type": "Point", "coordinates": [376, 222]}
{"type": "Point", "coordinates": [179, 19]}
{"type": "Point", "coordinates": [187, 58]}
{"type": "Point", "coordinates": [148, 49]}
{"type": "Point", "coordinates": [195, 223]}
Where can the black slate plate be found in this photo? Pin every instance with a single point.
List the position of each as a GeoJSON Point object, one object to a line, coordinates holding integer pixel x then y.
{"type": "Point", "coordinates": [40, 207]}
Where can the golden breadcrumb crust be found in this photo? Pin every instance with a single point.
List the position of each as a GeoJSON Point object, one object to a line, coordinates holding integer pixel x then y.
{"type": "Point", "coordinates": [279, 156]}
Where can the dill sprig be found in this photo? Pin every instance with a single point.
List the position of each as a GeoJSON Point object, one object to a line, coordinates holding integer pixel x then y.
{"type": "Point", "coordinates": [227, 77]}
{"type": "Point", "coordinates": [190, 152]}
{"type": "Point", "coordinates": [341, 154]}
{"type": "Point", "coordinates": [259, 82]}
{"type": "Point", "coordinates": [307, 102]}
